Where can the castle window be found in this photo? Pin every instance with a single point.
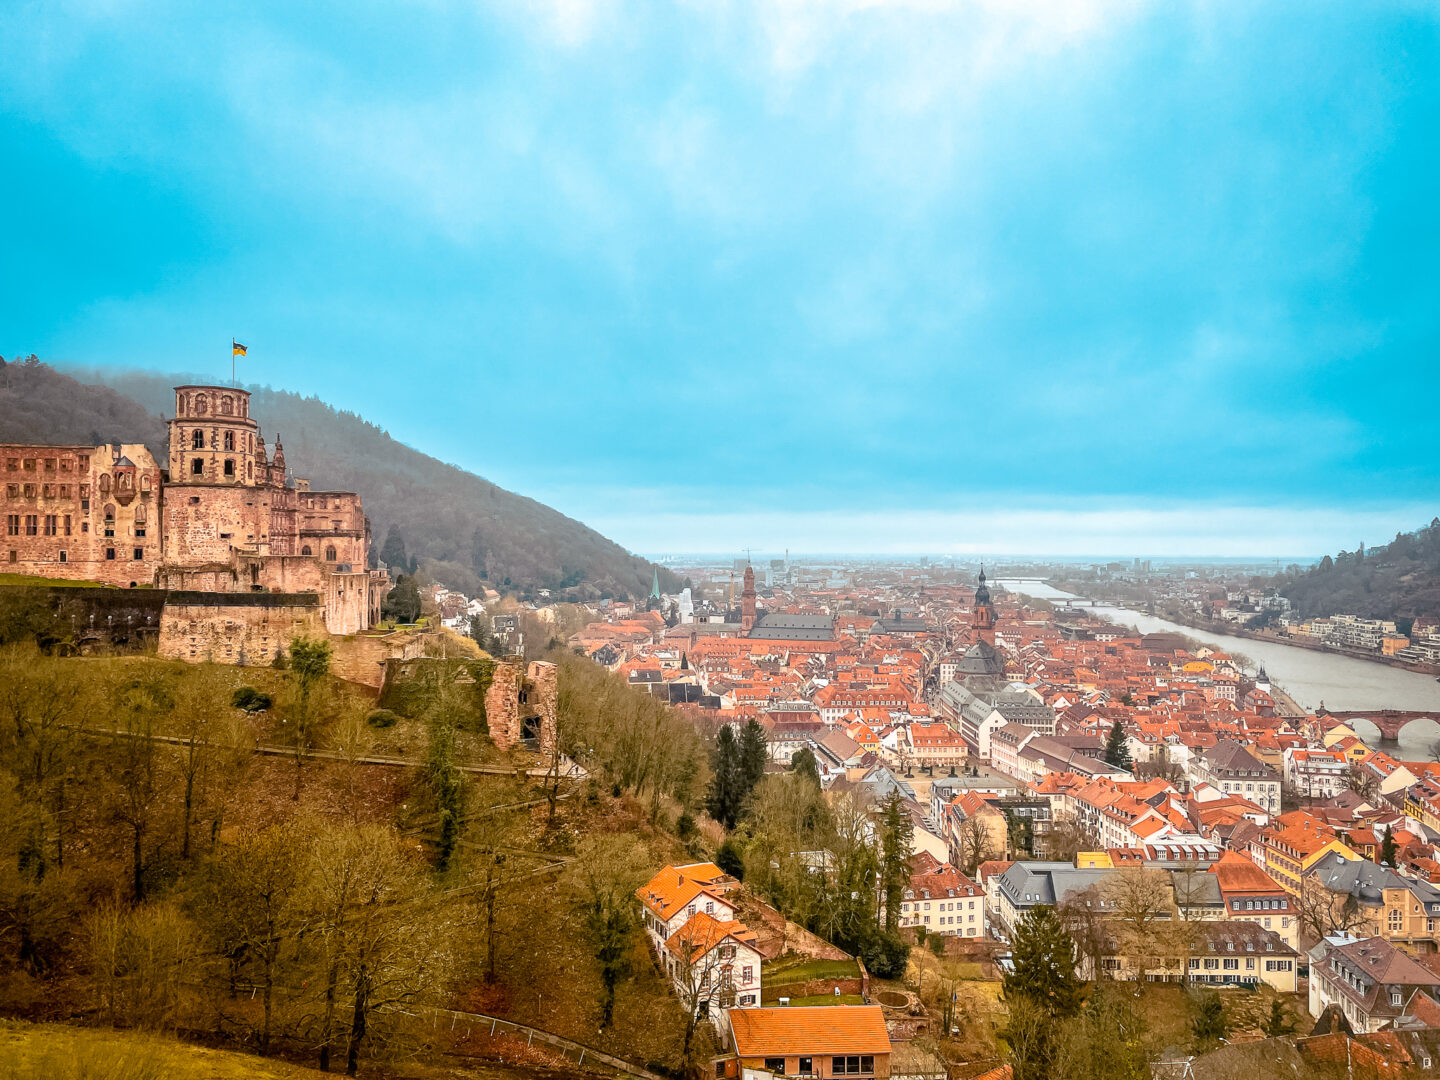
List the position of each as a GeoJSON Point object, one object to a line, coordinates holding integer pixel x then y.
{"type": "Point", "coordinates": [139, 554]}
{"type": "Point", "coordinates": [110, 554]}
{"type": "Point", "coordinates": [29, 464]}
{"type": "Point", "coordinates": [14, 556]}
{"type": "Point", "coordinates": [84, 463]}
{"type": "Point", "coordinates": [330, 554]}
{"type": "Point", "coordinates": [229, 440]}
{"type": "Point", "coordinates": [197, 440]}
{"type": "Point", "coordinates": [32, 525]}
{"type": "Point", "coordinates": [67, 527]}
{"type": "Point", "coordinates": [12, 525]}
{"type": "Point", "coordinates": [12, 490]}
{"type": "Point", "coordinates": [49, 464]}
{"type": "Point", "coordinates": [200, 404]}
{"type": "Point", "coordinates": [64, 491]}
{"type": "Point", "coordinates": [229, 467]}
{"type": "Point", "coordinates": [303, 551]}
{"type": "Point", "coordinates": [13, 464]}
{"type": "Point", "coordinates": [52, 525]}
{"type": "Point", "coordinates": [197, 467]}
{"type": "Point", "coordinates": [29, 491]}
{"type": "Point", "coordinates": [227, 406]}
{"type": "Point", "coordinates": [63, 558]}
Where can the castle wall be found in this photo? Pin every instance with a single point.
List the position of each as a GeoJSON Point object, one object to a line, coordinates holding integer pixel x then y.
{"type": "Point", "coordinates": [224, 520]}
{"type": "Point", "coordinates": [80, 513]}
{"type": "Point", "coordinates": [523, 698]}
{"type": "Point", "coordinates": [245, 629]}
{"type": "Point", "coordinates": [202, 524]}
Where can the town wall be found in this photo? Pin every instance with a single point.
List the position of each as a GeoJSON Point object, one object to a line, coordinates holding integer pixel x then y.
{"type": "Point", "coordinates": [88, 619]}
{"type": "Point", "coordinates": [245, 629]}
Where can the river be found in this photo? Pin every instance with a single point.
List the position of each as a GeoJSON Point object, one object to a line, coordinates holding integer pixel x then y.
{"type": "Point", "coordinates": [1341, 682]}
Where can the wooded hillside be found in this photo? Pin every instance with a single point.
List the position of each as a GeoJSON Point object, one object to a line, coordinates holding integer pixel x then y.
{"type": "Point", "coordinates": [1399, 580]}
{"type": "Point", "coordinates": [465, 530]}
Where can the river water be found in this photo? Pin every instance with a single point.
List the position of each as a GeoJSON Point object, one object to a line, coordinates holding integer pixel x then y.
{"type": "Point", "coordinates": [1339, 682]}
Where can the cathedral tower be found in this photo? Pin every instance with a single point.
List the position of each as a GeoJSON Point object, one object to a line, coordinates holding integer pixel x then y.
{"type": "Point", "coordinates": [747, 601]}
{"type": "Point", "coordinates": [982, 620]}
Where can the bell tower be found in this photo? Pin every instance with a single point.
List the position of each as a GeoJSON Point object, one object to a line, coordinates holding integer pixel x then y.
{"type": "Point", "coordinates": [747, 601]}
{"type": "Point", "coordinates": [982, 619]}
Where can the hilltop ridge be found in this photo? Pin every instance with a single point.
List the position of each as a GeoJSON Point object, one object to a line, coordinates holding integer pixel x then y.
{"type": "Point", "coordinates": [467, 532]}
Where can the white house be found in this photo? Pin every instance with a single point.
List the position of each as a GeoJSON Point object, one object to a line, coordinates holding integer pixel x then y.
{"type": "Point", "coordinates": [713, 965]}
{"type": "Point", "coordinates": [677, 894]}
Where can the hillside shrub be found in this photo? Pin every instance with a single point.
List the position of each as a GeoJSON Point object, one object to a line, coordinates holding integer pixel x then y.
{"type": "Point", "coordinates": [250, 699]}
{"type": "Point", "coordinates": [382, 718]}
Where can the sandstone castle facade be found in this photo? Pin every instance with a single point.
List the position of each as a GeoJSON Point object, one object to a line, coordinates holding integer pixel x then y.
{"type": "Point", "coordinates": [249, 555]}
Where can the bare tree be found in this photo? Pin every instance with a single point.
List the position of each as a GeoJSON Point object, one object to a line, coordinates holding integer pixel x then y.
{"type": "Point", "coordinates": [700, 966]}
{"type": "Point", "coordinates": [377, 946]}
{"type": "Point", "coordinates": [1068, 836]}
{"type": "Point", "coordinates": [1322, 912]}
{"type": "Point", "coordinates": [251, 904]}
{"type": "Point", "coordinates": [134, 766]}
{"type": "Point", "coordinates": [976, 844]}
{"type": "Point", "coordinates": [1137, 899]}
{"type": "Point", "coordinates": [1084, 914]}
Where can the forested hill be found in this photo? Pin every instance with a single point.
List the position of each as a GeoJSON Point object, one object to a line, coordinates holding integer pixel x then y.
{"type": "Point", "coordinates": [463, 529]}
{"type": "Point", "coordinates": [1399, 580]}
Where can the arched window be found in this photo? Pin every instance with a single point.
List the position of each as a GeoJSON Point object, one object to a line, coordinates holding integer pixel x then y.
{"type": "Point", "coordinates": [227, 406]}
{"type": "Point", "coordinates": [199, 404]}
{"type": "Point", "coordinates": [306, 550]}
{"type": "Point", "coordinates": [329, 554]}
{"type": "Point", "coordinates": [197, 440]}
{"type": "Point", "coordinates": [104, 483]}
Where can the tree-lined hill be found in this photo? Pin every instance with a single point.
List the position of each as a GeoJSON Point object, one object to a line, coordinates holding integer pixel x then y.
{"type": "Point", "coordinates": [1398, 580]}
{"type": "Point", "coordinates": [465, 530]}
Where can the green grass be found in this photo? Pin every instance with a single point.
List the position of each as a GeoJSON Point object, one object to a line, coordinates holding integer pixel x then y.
{"type": "Point", "coordinates": [59, 1052]}
{"type": "Point", "coordinates": [58, 583]}
{"type": "Point", "coordinates": [796, 969]}
{"type": "Point", "coordinates": [827, 999]}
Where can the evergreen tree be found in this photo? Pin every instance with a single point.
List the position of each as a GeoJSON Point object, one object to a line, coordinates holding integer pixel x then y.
{"type": "Point", "coordinates": [402, 603]}
{"type": "Point", "coordinates": [896, 834]}
{"type": "Point", "coordinates": [1388, 849]}
{"type": "Point", "coordinates": [726, 793]}
{"type": "Point", "coordinates": [1208, 1025]}
{"type": "Point", "coordinates": [1277, 1023]}
{"type": "Point", "coordinates": [803, 763]}
{"type": "Point", "coordinates": [1043, 955]}
{"type": "Point", "coordinates": [1116, 752]}
{"type": "Point", "coordinates": [392, 553]}
{"type": "Point", "coordinates": [753, 755]}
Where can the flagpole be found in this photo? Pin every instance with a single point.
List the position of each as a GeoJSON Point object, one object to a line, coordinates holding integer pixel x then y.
{"type": "Point", "coordinates": [232, 362]}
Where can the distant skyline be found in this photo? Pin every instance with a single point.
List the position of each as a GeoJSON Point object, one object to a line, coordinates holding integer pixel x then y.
{"type": "Point", "coordinates": [846, 275]}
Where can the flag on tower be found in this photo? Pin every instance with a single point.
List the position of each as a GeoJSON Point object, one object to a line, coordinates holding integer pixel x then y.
{"type": "Point", "coordinates": [236, 349]}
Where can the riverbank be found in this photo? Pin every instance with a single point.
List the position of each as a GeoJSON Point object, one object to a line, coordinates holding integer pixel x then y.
{"type": "Point", "coordinates": [1230, 629]}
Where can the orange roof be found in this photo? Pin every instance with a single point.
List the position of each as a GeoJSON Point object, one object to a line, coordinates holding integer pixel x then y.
{"type": "Point", "coordinates": [702, 933]}
{"type": "Point", "coordinates": [1236, 874]}
{"type": "Point", "coordinates": [810, 1029]}
{"type": "Point", "coordinates": [675, 886]}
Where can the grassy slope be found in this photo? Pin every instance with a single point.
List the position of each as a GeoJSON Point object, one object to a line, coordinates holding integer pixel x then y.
{"type": "Point", "coordinates": [60, 1052]}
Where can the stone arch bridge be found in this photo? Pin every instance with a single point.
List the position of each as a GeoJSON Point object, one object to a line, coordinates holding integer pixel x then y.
{"type": "Point", "coordinates": [1389, 721]}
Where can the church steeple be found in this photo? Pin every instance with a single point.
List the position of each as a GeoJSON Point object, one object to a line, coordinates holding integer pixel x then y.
{"type": "Point", "coordinates": [747, 601]}
{"type": "Point", "coordinates": [982, 618]}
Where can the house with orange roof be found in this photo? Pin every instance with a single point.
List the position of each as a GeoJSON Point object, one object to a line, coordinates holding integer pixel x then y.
{"type": "Point", "coordinates": [713, 964]}
{"type": "Point", "coordinates": [1251, 895]}
{"type": "Point", "coordinates": [823, 1042]}
{"type": "Point", "coordinates": [1294, 844]}
{"type": "Point", "coordinates": [677, 894]}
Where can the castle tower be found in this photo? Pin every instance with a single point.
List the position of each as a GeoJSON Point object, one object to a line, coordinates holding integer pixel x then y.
{"type": "Point", "coordinates": [747, 601]}
{"type": "Point", "coordinates": [212, 437]}
{"type": "Point", "coordinates": [982, 620]}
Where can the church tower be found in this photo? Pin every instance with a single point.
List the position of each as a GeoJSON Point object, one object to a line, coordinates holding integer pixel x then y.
{"type": "Point", "coordinates": [747, 601]}
{"type": "Point", "coordinates": [982, 620]}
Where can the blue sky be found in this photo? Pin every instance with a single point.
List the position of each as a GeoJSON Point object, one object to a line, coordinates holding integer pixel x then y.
{"type": "Point", "coordinates": [915, 276]}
